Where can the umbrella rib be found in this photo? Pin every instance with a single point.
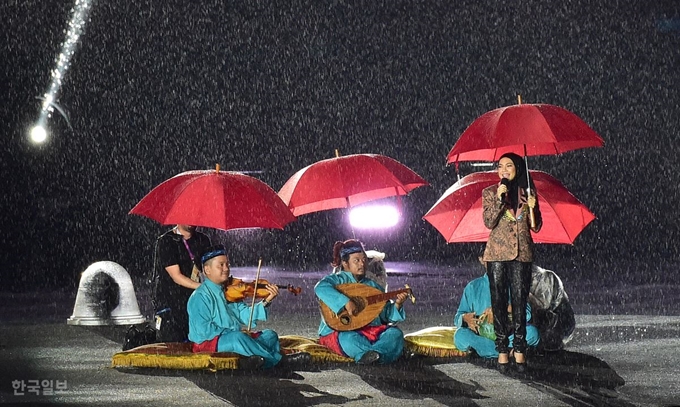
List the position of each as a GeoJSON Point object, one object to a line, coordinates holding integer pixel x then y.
{"type": "Point", "coordinates": [181, 190]}
{"type": "Point", "coordinates": [562, 226]}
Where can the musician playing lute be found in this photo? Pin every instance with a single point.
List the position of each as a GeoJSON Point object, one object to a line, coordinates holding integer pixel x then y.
{"type": "Point", "coordinates": [379, 341]}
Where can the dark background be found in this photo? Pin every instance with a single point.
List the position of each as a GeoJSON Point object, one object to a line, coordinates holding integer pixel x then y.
{"type": "Point", "coordinates": [157, 88]}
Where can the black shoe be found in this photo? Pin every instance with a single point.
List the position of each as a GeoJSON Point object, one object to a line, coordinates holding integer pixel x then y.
{"type": "Point", "coordinates": [250, 362]}
{"type": "Point", "coordinates": [409, 355]}
{"type": "Point", "coordinates": [521, 367]}
{"type": "Point", "coordinates": [503, 367]}
{"type": "Point", "coordinates": [369, 358]}
{"type": "Point", "coordinates": [296, 359]}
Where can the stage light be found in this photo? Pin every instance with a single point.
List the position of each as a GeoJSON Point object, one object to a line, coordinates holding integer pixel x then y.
{"type": "Point", "coordinates": [374, 217]}
{"type": "Point", "coordinates": [38, 134]}
{"type": "Point", "coordinates": [79, 15]}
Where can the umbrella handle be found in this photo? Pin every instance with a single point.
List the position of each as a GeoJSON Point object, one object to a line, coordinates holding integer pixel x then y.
{"type": "Point", "coordinates": [532, 217]}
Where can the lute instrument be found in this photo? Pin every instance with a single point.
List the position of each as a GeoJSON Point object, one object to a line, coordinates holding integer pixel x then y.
{"type": "Point", "coordinates": [369, 301]}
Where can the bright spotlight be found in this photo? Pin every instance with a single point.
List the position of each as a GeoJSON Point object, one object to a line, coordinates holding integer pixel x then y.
{"type": "Point", "coordinates": [374, 217]}
{"type": "Point", "coordinates": [38, 134]}
{"type": "Point", "coordinates": [79, 15]}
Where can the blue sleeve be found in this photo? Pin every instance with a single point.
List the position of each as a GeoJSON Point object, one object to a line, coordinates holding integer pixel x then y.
{"type": "Point", "coordinates": [326, 292]}
{"type": "Point", "coordinates": [201, 324]}
{"type": "Point", "coordinates": [259, 313]}
{"type": "Point", "coordinates": [390, 313]}
{"type": "Point", "coordinates": [464, 307]}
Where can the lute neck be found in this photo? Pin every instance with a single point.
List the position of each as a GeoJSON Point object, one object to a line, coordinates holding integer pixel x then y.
{"type": "Point", "coordinates": [386, 296]}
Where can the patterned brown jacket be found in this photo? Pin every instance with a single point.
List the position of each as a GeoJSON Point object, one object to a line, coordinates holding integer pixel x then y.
{"type": "Point", "coordinates": [510, 237]}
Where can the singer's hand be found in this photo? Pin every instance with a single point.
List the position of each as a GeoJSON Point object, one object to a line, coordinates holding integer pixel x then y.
{"type": "Point", "coordinates": [531, 201]}
{"type": "Point", "coordinates": [502, 189]}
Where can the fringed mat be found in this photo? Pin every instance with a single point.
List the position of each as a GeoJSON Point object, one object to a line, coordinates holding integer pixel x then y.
{"type": "Point", "coordinates": [320, 353]}
{"type": "Point", "coordinates": [175, 355]}
{"type": "Point", "coordinates": [434, 342]}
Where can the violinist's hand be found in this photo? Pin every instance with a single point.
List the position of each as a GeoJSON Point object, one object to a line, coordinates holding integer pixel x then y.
{"type": "Point", "coordinates": [472, 321]}
{"type": "Point", "coordinates": [273, 292]}
{"type": "Point", "coordinates": [351, 307]}
{"type": "Point", "coordinates": [501, 190]}
{"type": "Point", "coordinates": [531, 201]}
{"type": "Point", "coordinates": [401, 298]}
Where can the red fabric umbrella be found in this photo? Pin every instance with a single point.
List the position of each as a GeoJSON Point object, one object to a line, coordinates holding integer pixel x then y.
{"type": "Point", "coordinates": [457, 215]}
{"type": "Point", "coordinates": [524, 129]}
{"type": "Point", "coordinates": [347, 181]}
{"type": "Point", "coordinates": [216, 199]}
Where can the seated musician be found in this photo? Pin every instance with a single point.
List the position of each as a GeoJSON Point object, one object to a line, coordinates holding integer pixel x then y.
{"type": "Point", "coordinates": [379, 341]}
{"type": "Point", "coordinates": [474, 320]}
{"type": "Point", "coordinates": [215, 324]}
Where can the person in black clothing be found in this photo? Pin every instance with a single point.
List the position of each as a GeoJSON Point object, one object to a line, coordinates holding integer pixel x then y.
{"type": "Point", "coordinates": [176, 277]}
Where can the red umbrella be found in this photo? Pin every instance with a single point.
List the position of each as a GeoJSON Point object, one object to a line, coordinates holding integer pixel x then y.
{"type": "Point", "coordinates": [457, 215]}
{"type": "Point", "coordinates": [216, 199]}
{"type": "Point", "coordinates": [347, 181]}
{"type": "Point", "coordinates": [524, 129]}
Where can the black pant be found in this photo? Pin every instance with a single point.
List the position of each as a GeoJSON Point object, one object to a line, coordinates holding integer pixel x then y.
{"type": "Point", "coordinates": [172, 326]}
{"type": "Point", "coordinates": [515, 277]}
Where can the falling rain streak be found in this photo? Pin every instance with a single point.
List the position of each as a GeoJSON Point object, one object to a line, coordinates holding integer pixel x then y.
{"type": "Point", "coordinates": [75, 28]}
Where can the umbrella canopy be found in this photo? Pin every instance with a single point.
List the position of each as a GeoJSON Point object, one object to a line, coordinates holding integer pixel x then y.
{"type": "Point", "coordinates": [524, 129]}
{"type": "Point", "coordinates": [216, 199]}
{"type": "Point", "coordinates": [347, 181]}
{"type": "Point", "coordinates": [458, 214]}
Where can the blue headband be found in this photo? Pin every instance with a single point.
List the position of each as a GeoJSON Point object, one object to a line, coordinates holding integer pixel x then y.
{"type": "Point", "coordinates": [346, 251]}
{"type": "Point", "coordinates": [214, 253]}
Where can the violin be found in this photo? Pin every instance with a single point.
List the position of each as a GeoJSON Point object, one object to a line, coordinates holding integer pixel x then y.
{"type": "Point", "coordinates": [237, 289]}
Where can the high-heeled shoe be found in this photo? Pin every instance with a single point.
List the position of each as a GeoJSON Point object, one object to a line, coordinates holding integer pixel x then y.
{"type": "Point", "coordinates": [503, 362]}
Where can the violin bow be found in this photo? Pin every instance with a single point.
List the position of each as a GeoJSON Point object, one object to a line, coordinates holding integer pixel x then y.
{"type": "Point", "coordinates": [252, 306]}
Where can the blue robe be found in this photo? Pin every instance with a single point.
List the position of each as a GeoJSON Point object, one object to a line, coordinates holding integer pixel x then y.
{"type": "Point", "coordinates": [211, 315]}
{"type": "Point", "coordinates": [477, 298]}
{"type": "Point", "coordinates": [390, 344]}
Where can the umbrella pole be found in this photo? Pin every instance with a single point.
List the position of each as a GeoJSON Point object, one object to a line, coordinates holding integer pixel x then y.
{"type": "Point", "coordinates": [532, 217]}
{"type": "Point", "coordinates": [400, 203]}
{"type": "Point", "coordinates": [354, 236]}
{"type": "Point", "coordinates": [252, 306]}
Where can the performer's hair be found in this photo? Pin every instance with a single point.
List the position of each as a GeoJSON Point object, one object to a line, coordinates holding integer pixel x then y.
{"type": "Point", "coordinates": [342, 250]}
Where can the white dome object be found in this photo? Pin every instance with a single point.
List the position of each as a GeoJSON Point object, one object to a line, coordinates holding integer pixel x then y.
{"type": "Point", "coordinates": [374, 254]}
{"type": "Point", "coordinates": [105, 297]}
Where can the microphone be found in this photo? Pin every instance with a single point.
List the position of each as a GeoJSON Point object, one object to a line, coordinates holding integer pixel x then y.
{"type": "Point", "coordinates": [506, 182]}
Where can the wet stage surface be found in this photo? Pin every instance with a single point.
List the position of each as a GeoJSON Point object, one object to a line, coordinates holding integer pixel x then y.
{"type": "Point", "coordinates": [623, 352]}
